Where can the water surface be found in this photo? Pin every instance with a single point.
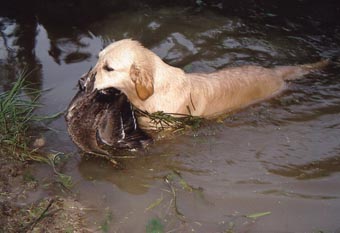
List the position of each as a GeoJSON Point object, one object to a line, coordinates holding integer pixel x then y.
{"type": "Point", "coordinates": [280, 156]}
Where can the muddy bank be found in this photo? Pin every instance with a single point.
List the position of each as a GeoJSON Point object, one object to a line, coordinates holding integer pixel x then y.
{"type": "Point", "coordinates": [23, 210]}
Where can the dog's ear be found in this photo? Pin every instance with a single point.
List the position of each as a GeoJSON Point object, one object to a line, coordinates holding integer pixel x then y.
{"type": "Point", "coordinates": [143, 80]}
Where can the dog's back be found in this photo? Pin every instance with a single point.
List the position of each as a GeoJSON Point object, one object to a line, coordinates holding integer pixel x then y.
{"type": "Point", "coordinates": [234, 88]}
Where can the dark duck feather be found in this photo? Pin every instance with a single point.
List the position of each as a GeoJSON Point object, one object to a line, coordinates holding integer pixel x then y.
{"type": "Point", "coordinates": [102, 122]}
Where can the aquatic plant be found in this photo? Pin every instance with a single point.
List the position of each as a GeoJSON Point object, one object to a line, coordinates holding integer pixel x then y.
{"type": "Point", "coordinates": [16, 116]}
{"type": "Point", "coordinates": [16, 113]}
{"type": "Point", "coordinates": [175, 121]}
{"type": "Point", "coordinates": [154, 226]}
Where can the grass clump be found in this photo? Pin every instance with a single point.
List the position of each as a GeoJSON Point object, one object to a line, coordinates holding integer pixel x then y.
{"type": "Point", "coordinates": [48, 214]}
{"type": "Point", "coordinates": [16, 115]}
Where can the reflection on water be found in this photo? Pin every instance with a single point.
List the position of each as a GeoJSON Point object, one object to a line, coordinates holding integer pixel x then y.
{"type": "Point", "coordinates": [17, 50]}
{"type": "Point", "coordinates": [312, 170]}
{"type": "Point", "coordinates": [136, 174]}
{"type": "Point", "coordinates": [281, 155]}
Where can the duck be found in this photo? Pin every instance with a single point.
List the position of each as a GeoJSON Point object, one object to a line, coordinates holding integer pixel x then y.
{"type": "Point", "coordinates": [103, 122]}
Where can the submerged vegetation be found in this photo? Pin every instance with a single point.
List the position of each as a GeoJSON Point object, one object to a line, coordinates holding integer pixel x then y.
{"type": "Point", "coordinates": [170, 203]}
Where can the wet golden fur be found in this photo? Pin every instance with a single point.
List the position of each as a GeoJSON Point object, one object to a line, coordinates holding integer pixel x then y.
{"type": "Point", "coordinates": [152, 85]}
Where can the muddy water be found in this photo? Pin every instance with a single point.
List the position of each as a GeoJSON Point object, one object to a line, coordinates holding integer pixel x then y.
{"type": "Point", "coordinates": [279, 158]}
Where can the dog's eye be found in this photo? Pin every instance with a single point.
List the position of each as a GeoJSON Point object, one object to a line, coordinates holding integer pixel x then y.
{"type": "Point", "coordinates": [108, 68]}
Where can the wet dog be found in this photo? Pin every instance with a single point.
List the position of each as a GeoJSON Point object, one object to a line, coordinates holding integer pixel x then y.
{"type": "Point", "coordinates": [152, 85]}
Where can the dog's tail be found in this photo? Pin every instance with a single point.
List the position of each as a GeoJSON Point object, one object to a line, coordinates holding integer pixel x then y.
{"type": "Point", "coordinates": [296, 72]}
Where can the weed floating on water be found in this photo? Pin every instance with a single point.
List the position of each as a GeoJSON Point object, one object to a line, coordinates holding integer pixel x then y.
{"type": "Point", "coordinates": [173, 121]}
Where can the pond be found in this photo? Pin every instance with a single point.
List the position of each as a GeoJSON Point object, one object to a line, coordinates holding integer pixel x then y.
{"type": "Point", "coordinates": [277, 162]}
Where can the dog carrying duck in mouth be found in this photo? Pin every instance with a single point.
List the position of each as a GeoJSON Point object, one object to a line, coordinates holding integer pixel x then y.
{"type": "Point", "coordinates": [129, 76]}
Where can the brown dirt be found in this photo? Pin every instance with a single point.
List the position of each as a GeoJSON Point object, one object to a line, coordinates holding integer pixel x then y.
{"type": "Point", "coordinates": [51, 213]}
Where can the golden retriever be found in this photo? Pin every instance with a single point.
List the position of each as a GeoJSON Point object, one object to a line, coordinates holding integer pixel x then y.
{"type": "Point", "coordinates": [152, 85]}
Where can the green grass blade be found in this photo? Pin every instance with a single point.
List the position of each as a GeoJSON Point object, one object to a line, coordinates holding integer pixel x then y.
{"type": "Point", "coordinates": [258, 215]}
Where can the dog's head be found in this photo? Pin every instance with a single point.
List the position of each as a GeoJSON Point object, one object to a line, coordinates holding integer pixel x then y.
{"type": "Point", "coordinates": [125, 65]}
